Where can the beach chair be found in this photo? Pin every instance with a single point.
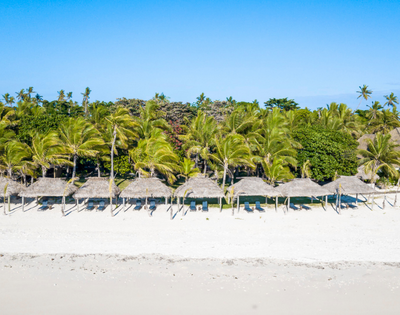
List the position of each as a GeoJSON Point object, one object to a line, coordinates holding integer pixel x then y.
{"type": "Point", "coordinates": [258, 206]}
{"type": "Point", "coordinates": [193, 206]}
{"type": "Point", "coordinates": [45, 205]}
{"type": "Point", "coordinates": [305, 207]}
{"type": "Point", "coordinates": [205, 206]}
{"type": "Point", "coordinates": [352, 205]}
{"type": "Point", "coordinates": [102, 205]}
{"type": "Point", "coordinates": [138, 204]}
{"type": "Point", "coordinates": [152, 205]}
{"type": "Point", "coordinates": [90, 205]}
{"type": "Point", "coordinates": [247, 207]}
{"type": "Point", "coordinates": [292, 206]}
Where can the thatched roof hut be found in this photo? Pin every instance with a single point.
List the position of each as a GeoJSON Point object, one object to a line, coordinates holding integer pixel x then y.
{"type": "Point", "coordinates": [199, 187]}
{"type": "Point", "coordinates": [13, 188]}
{"type": "Point", "coordinates": [146, 187]}
{"type": "Point", "coordinates": [253, 186]}
{"type": "Point", "coordinates": [97, 187]}
{"type": "Point", "coordinates": [302, 187]}
{"type": "Point", "coordinates": [48, 187]}
{"type": "Point", "coordinates": [349, 185]}
{"type": "Point", "coordinates": [363, 176]}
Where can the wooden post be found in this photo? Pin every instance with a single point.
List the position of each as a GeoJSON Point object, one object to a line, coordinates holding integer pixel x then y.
{"type": "Point", "coordinates": [288, 204]}
{"type": "Point", "coordinates": [123, 204]}
{"type": "Point", "coordinates": [233, 208]}
{"type": "Point", "coordinates": [276, 203]}
{"type": "Point", "coordinates": [9, 204]}
{"type": "Point", "coordinates": [111, 205]}
{"type": "Point", "coordinates": [178, 204]}
{"type": "Point", "coordinates": [183, 206]}
{"type": "Point", "coordinates": [326, 201]}
{"type": "Point", "coordinates": [340, 204]}
{"type": "Point", "coordinates": [23, 203]}
{"type": "Point", "coordinates": [63, 205]}
{"type": "Point", "coordinates": [266, 200]}
{"type": "Point", "coordinates": [4, 205]}
{"type": "Point", "coordinates": [77, 204]}
{"type": "Point", "coordinates": [220, 204]}
{"type": "Point", "coordinates": [166, 200]}
{"type": "Point", "coordinates": [238, 203]}
{"type": "Point", "coordinates": [356, 200]}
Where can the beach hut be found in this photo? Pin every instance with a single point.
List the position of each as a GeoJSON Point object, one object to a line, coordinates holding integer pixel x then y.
{"type": "Point", "coordinates": [302, 187]}
{"type": "Point", "coordinates": [8, 188]}
{"type": "Point", "coordinates": [199, 187]}
{"type": "Point", "coordinates": [349, 185]}
{"type": "Point", "coordinates": [252, 186]}
{"type": "Point", "coordinates": [97, 187]}
{"type": "Point", "coordinates": [48, 187]}
{"type": "Point", "coordinates": [146, 188]}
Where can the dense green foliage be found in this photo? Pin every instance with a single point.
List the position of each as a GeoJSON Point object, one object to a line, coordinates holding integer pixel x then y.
{"type": "Point", "coordinates": [329, 151]}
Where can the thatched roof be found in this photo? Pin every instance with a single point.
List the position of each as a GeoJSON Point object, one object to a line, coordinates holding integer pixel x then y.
{"type": "Point", "coordinates": [362, 143]}
{"type": "Point", "coordinates": [13, 188]}
{"type": "Point", "coordinates": [302, 187]}
{"type": "Point", "coordinates": [97, 187]}
{"type": "Point", "coordinates": [349, 185]}
{"type": "Point", "coordinates": [48, 187]}
{"type": "Point", "coordinates": [253, 186]}
{"type": "Point", "coordinates": [395, 133]}
{"type": "Point", "coordinates": [146, 187]}
{"type": "Point", "coordinates": [363, 176]}
{"type": "Point", "coordinates": [199, 187]}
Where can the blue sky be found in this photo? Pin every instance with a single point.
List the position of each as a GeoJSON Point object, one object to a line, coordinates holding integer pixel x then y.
{"type": "Point", "coordinates": [315, 52]}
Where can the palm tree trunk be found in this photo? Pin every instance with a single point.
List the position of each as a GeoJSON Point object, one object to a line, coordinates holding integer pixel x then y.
{"type": "Point", "coordinates": [112, 153]}
{"type": "Point", "coordinates": [98, 168]}
{"type": "Point", "coordinates": [223, 178]}
{"type": "Point", "coordinates": [74, 169]}
{"type": "Point", "coordinates": [43, 171]}
{"type": "Point", "coordinates": [196, 160]}
{"type": "Point", "coordinates": [205, 166]}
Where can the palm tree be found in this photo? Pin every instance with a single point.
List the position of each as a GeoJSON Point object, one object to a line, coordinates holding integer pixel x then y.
{"type": "Point", "coordinates": [155, 154]}
{"type": "Point", "coordinates": [306, 170]}
{"type": "Point", "coordinates": [231, 151]}
{"type": "Point", "coordinates": [391, 100]}
{"type": "Point", "coordinates": [38, 99]}
{"type": "Point", "coordinates": [61, 96]}
{"type": "Point", "coordinates": [30, 91]}
{"type": "Point", "coordinates": [381, 154]}
{"type": "Point", "coordinates": [14, 153]}
{"type": "Point", "coordinates": [149, 120]}
{"type": "Point", "coordinates": [21, 95]}
{"type": "Point", "coordinates": [9, 100]}
{"type": "Point", "coordinates": [374, 110]}
{"type": "Point", "coordinates": [46, 149]}
{"type": "Point", "coordinates": [199, 137]}
{"type": "Point", "coordinates": [86, 99]}
{"type": "Point", "coordinates": [188, 169]}
{"type": "Point", "coordinates": [80, 139]}
{"type": "Point", "coordinates": [200, 99]}
{"type": "Point", "coordinates": [364, 94]}
{"type": "Point", "coordinates": [277, 171]}
{"type": "Point", "coordinates": [69, 96]}
{"type": "Point", "coordinates": [385, 122]}
{"type": "Point", "coordinates": [121, 125]}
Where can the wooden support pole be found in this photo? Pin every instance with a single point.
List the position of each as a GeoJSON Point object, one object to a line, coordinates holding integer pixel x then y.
{"type": "Point", "coordinates": [178, 203]}
{"type": "Point", "coordinates": [166, 200]}
{"type": "Point", "coordinates": [9, 204]}
{"type": "Point", "coordinates": [340, 204]}
{"type": "Point", "coordinates": [356, 200]}
{"type": "Point", "coordinates": [288, 204]}
{"type": "Point", "coordinates": [4, 205]}
{"type": "Point", "coordinates": [326, 201]}
{"type": "Point", "coordinates": [183, 206]}
{"type": "Point", "coordinates": [238, 203]}
{"type": "Point", "coordinates": [276, 203]}
{"type": "Point", "coordinates": [77, 204]}
{"type": "Point", "coordinates": [123, 204]}
{"type": "Point", "coordinates": [220, 204]}
{"type": "Point", "coordinates": [63, 205]}
{"type": "Point", "coordinates": [23, 203]}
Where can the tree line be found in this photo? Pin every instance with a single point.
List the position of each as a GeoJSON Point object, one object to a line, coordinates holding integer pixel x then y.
{"type": "Point", "coordinates": [173, 140]}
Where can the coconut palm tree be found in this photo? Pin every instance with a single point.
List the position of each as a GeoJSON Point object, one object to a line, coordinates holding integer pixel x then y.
{"type": "Point", "coordinates": [199, 136]}
{"type": "Point", "coordinates": [61, 96]}
{"type": "Point", "coordinates": [392, 100]}
{"type": "Point", "coordinates": [29, 92]}
{"type": "Point", "coordinates": [155, 154]}
{"type": "Point", "coordinates": [277, 171]}
{"type": "Point", "coordinates": [385, 122]}
{"type": "Point", "coordinates": [306, 169]}
{"type": "Point", "coordinates": [80, 139]}
{"type": "Point", "coordinates": [381, 154]}
{"type": "Point", "coordinates": [9, 100]}
{"type": "Point", "coordinates": [231, 151]}
{"type": "Point", "coordinates": [85, 101]}
{"type": "Point", "coordinates": [14, 152]}
{"type": "Point", "coordinates": [364, 94]}
{"type": "Point", "coordinates": [149, 120]}
{"type": "Point", "coordinates": [121, 125]}
{"type": "Point", "coordinates": [46, 149]}
{"type": "Point", "coordinates": [21, 95]}
{"type": "Point", "coordinates": [374, 110]}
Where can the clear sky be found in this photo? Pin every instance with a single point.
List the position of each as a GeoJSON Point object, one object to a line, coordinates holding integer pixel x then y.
{"type": "Point", "coordinates": [313, 51]}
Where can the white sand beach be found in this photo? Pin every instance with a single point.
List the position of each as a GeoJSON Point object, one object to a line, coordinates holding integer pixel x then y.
{"type": "Point", "coordinates": [305, 262]}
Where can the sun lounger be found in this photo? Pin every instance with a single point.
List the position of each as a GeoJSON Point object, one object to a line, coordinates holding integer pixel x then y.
{"type": "Point", "coordinates": [247, 207]}
{"type": "Point", "coordinates": [152, 205]}
{"type": "Point", "coordinates": [352, 206]}
{"type": "Point", "coordinates": [305, 207]}
{"type": "Point", "coordinates": [102, 205]}
{"type": "Point", "coordinates": [138, 204]}
{"type": "Point", "coordinates": [193, 206]}
{"type": "Point", "coordinates": [44, 205]}
{"type": "Point", "coordinates": [205, 206]}
{"type": "Point", "coordinates": [90, 205]}
{"type": "Point", "coordinates": [292, 206]}
{"type": "Point", "coordinates": [258, 206]}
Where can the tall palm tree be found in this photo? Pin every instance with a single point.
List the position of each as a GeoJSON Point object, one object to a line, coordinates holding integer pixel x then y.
{"type": "Point", "coordinates": [277, 171]}
{"type": "Point", "coordinates": [364, 94]}
{"type": "Point", "coordinates": [85, 101]}
{"type": "Point", "coordinates": [391, 100]}
{"type": "Point", "coordinates": [80, 139]}
{"type": "Point", "coordinates": [149, 120]}
{"type": "Point", "coordinates": [9, 100]}
{"type": "Point", "coordinates": [155, 154]}
{"type": "Point", "coordinates": [374, 110]}
{"type": "Point", "coordinates": [29, 92]}
{"type": "Point", "coordinates": [21, 95]}
{"type": "Point", "coordinates": [46, 149]}
{"type": "Point", "coordinates": [381, 154]}
{"type": "Point", "coordinates": [385, 122]}
{"type": "Point", "coordinates": [121, 125]}
{"type": "Point", "coordinates": [61, 96]}
{"type": "Point", "coordinates": [199, 136]}
{"type": "Point", "coordinates": [14, 152]}
{"type": "Point", "coordinates": [306, 170]}
{"type": "Point", "coordinates": [231, 151]}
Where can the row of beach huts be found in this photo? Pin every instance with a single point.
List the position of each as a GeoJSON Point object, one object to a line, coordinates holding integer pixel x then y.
{"type": "Point", "coordinates": [148, 192]}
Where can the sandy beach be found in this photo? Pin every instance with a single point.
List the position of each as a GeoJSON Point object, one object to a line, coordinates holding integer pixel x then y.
{"type": "Point", "coordinates": [305, 262]}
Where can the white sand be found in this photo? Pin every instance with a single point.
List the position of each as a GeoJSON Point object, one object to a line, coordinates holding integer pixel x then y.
{"type": "Point", "coordinates": [305, 262]}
